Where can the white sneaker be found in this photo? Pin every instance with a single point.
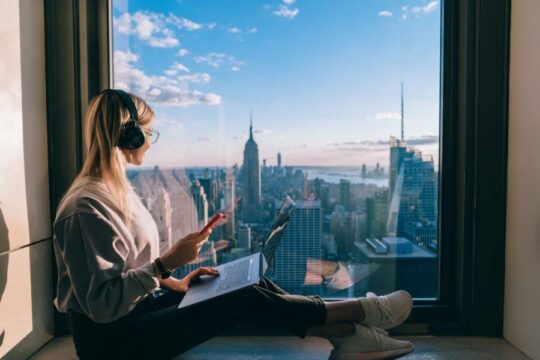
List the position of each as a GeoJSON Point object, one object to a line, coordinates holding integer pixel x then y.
{"type": "Point", "coordinates": [369, 344]}
{"type": "Point", "coordinates": [387, 311]}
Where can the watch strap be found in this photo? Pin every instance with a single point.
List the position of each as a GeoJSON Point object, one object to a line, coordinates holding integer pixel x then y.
{"type": "Point", "coordinates": [165, 273]}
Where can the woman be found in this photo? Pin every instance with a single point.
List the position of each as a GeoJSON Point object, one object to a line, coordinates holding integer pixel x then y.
{"type": "Point", "coordinates": [106, 246]}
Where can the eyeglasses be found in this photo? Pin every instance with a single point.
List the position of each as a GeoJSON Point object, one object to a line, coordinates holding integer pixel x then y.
{"type": "Point", "coordinates": [153, 133]}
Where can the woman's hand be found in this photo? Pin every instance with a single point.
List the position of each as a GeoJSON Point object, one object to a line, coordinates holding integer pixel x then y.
{"type": "Point", "coordinates": [182, 286]}
{"type": "Point", "coordinates": [185, 250]}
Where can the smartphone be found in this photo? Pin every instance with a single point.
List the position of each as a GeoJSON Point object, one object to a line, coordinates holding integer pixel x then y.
{"type": "Point", "coordinates": [213, 222]}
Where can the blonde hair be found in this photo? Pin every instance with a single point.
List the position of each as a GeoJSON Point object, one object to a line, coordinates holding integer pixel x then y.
{"type": "Point", "coordinates": [105, 116]}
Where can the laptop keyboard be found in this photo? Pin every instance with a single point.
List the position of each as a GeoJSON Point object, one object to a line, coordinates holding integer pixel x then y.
{"type": "Point", "coordinates": [235, 275]}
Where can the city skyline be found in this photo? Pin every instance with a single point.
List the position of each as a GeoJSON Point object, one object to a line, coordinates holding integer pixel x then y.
{"type": "Point", "coordinates": [368, 229]}
{"type": "Point", "coordinates": [333, 99]}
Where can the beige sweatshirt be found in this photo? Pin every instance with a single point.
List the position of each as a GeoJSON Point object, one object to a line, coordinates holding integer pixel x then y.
{"type": "Point", "coordinates": [104, 266]}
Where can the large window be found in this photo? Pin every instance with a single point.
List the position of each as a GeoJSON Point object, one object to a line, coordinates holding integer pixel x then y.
{"type": "Point", "coordinates": [335, 103]}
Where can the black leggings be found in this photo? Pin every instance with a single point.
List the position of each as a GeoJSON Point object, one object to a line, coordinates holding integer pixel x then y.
{"type": "Point", "coordinates": [157, 329]}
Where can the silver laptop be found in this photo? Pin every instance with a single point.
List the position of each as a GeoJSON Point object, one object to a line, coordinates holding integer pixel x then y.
{"type": "Point", "coordinates": [243, 272]}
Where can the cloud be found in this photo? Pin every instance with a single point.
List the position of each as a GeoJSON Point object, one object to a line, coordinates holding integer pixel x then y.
{"type": "Point", "coordinates": [260, 132]}
{"type": "Point", "coordinates": [125, 57]}
{"type": "Point", "coordinates": [182, 52]}
{"type": "Point", "coordinates": [240, 137]}
{"type": "Point", "coordinates": [156, 89]}
{"type": "Point", "coordinates": [286, 12]}
{"type": "Point", "coordinates": [289, 2]}
{"type": "Point", "coordinates": [429, 8]}
{"type": "Point", "coordinates": [148, 27]}
{"type": "Point", "coordinates": [364, 145]}
{"type": "Point", "coordinates": [384, 115]}
{"type": "Point", "coordinates": [423, 140]}
{"type": "Point", "coordinates": [385, 13]}
{"type": "Point", "coordinates": [176, 67]}
{"type": "Point", "coordinates": [239, 33]}
{"type": "Point", "coordinates": [155, 28]}
{"type": "Point", "coordinates": [196, 78]}
{"type": "Point", "coordinates": [417, 11]}
{"type": "Point", "coordinates": [388, 116]}
{"type": "Point", "coordinates": [382, 144]}
{"type": "Point", "coordinates": [263, 131]}
{"type": "Point", "coordinates": [183, 23]}
{"type": "Point", "coordinates": [200, 138]}
{"type": "Point", "coordinates": [216, 60]}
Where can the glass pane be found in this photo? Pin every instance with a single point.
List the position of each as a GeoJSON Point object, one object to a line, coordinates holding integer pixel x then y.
{"type": "Point", "coordinates": [334, 103]}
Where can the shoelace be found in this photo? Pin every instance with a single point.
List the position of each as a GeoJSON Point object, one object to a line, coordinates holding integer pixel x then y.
{"type": "Point", "coordinates": [380, 331]}
{"type": "Point", "coordinates": [383, 312]}
{"type": "Point", "coordinates": [377, 334]}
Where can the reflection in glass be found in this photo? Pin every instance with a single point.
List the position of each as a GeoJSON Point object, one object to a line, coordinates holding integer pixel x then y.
{"type": "Point", "coordinates": [330, 132]}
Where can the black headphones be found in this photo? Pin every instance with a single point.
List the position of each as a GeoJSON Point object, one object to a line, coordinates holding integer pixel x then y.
{"type": "Point", "coordinates": [132, 135]}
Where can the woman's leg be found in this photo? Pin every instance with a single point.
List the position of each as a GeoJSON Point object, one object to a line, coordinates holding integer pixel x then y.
{"type": "Point", "coordinates": [349, 310]}
{"type": "Point", "coordinates": [336, 310]}
{"type": "Point", "coordinates": [171, 331]}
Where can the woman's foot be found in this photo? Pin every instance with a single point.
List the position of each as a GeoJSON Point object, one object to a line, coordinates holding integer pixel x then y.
{"type": "Point", "coordinates": [368, 343]}
{"type": "Point", "coordinates": [386, 311]}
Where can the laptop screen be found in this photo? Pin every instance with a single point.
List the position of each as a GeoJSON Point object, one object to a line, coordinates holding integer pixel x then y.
{"type": "Point", "coordinates": [278, 228]}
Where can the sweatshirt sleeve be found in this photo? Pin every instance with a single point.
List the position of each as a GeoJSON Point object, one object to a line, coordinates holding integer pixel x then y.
{"type": "Point", "coordinates": [94, 255]}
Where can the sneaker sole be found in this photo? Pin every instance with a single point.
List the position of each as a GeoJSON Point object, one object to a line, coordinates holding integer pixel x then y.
{"type": "Point", "coordinates": [379, 355]}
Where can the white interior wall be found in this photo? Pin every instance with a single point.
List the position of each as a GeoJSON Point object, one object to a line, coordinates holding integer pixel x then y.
{"type": "Point", "coordinates": [522, 285]}
{"type": "Point", "coordinates": [26, 311]}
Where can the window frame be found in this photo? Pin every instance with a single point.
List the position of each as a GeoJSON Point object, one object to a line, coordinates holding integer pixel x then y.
{"type": "Point", "coordinates": [472, 180]}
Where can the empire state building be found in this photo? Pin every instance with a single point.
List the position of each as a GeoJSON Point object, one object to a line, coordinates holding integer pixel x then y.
{"type": "Point", "coordinates": [251, 191]}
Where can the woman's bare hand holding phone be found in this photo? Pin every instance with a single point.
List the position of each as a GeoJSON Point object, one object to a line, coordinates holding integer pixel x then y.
{"type": "Point", "coordinates": [185, 250]}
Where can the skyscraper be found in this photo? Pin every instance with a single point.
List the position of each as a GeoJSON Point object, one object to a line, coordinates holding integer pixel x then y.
{"type": "Point", "coordinates": [377, 215]}
{"type": "Point", "coordinates": [279, 160]}
{"type": "Point", "coordinates": [307, 186]}
{"type": "Point", "coordinates": [201, 204]}
{"type": "Point", "coordinates": [300, 242]}
{"type": "Point", "coordinates": [338, 228]}
{"type": "Point", "coordinates": [413, 198]}
{"type": "Point", "coordinates": [210, 190]}
{"type": "Point", "coordinates": [345, 193]}
{"type": "Point", "coordinates": [229, 204]}
{"type": "Point", "coordinates": [398, 152]}
{"type": "Point", "coordinates": [244, 237]}
{"type": "Point", "coordinates": [251, 175]}
{"type": "Point", "coordinates": [355, 225]}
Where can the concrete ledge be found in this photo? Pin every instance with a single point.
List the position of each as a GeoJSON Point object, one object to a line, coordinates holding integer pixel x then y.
{"type": "Point", "coordinates": [313, 348]}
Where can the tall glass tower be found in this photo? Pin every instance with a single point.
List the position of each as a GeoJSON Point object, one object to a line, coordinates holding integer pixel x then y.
{"type": "Point", "coordinates": [413, 197]}
{"type": "Point", "coordinates": [300, 242]}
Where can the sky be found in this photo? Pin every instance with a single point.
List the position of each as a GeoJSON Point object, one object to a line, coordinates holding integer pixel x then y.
{"type": "Point", "coordinates": [321, 79]}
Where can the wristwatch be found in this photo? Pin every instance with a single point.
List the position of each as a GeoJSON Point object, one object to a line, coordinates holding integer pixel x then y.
{"type": "Point", "coordinates": [165, 273]}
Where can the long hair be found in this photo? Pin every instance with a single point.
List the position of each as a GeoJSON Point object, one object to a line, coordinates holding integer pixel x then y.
{"type": "Point", "coordinates": [105, 116]}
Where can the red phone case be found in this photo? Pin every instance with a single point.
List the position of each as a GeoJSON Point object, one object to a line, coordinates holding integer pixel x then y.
{"type": "Point", "coordinates": [212, 222]}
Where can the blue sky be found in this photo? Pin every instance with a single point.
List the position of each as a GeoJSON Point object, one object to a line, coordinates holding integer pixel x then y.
{"type": "Point", "coordinates": [322, 77]}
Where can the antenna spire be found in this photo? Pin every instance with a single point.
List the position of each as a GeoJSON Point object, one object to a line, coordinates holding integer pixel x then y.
{"type": "Point", "coordinates": [402, 115]}
{"type": "Point", "coordinates": [251, 124]}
